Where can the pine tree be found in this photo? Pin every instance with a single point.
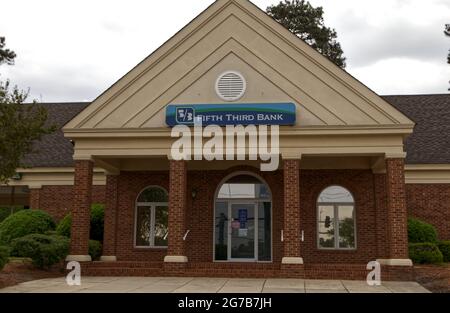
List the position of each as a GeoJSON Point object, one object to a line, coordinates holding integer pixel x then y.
{"type": "Point", "coordinates": [307, 22]}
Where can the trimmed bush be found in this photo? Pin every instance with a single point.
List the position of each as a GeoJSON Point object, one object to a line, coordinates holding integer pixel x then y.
{"type": "Point", "coordinates": [24, 223]}
{"type": "Point", "coordinates": [4, 255]}
{"type": "Point", "coordinates": [444, 247]}
{"type": "Point", "coordinates": [421, 232]}
{"type": "Point", "coordinates": [95, 249]}
{"type": "Point", "coordinates": [425, 253]}
{"type": "Point", "coordinates": [63, 228]}
{"type": "Point", "coordinates": [97, 222]}
{"type": "Point", "coordinates": [44, 250]}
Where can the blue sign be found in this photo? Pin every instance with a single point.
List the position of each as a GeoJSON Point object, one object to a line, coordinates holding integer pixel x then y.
{"type": "Point", "coordinates": [243, 217]}
{"type": "Point", "coordinates": [232, 114]}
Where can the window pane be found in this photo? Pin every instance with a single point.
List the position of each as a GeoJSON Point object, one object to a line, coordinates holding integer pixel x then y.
{"type": "Point", "coordinates": [143, 222]}
{"type": "Point", "coordinates": [244, 187]}
{"type": "Point", "coordinates": [161, 222]}
{"type": "Point", "coordinates": [346, 227]}
{"type": "Point", "coordinates": [153, 194]}
{"type": "Point", "coordinates": [326, 227]}
{"type": "Point", "coordinates": [264, 232]}
{"type": "Point", "coordinates": [336, 194]}
{"type": "Point", "coordinates": [221, 231]}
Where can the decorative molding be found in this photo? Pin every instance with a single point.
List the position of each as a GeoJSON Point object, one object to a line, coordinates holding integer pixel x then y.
{"type": "Point", "coordinates": [79, 258]}
{"type": "Point", "coordinates": [395, 262]}
{"type": "Point", "coordinates": [292, 260]}
{"type": "Point", "coordinates": [175, 259]}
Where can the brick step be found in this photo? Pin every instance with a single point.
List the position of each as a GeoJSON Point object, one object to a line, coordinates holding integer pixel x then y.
{"type": "Point", "coordinates": [122, 271]}
{"type": "Point", "coordinates": [124, 264]}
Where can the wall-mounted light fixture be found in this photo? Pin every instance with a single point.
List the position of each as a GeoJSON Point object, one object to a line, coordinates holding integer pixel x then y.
{"type": "Point", "coordinates": [194, 193]}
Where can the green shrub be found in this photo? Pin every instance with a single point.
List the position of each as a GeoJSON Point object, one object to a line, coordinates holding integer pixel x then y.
{"type": "Point", "coordinates": [44, 250]}
{"type": "Point", "coordinates": [4, 255]}
{"type": "Point", "coordinates": [97, 222]}
{"type": "Point", "coordinates": [444, 247]}
{"type": "Point", "coordinates": [95, 249]}
{"type": "Point", "coordinates": [7, 211]}
{"type": "Point", "coordinates": [63, 228]}
{"type": "Point", "coordinates": [425, 253]}
{"type": "Point", "coordinates": [24, 223]}
{"type": "Point", "coordinates": [421, 232]}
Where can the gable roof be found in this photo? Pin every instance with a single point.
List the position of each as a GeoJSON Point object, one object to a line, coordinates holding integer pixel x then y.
{"type": "Point", "coordinates": [54, 150]}
{"type": "Point", "coordinates": [429, 144]}
{"type": "Point", "coordinates": [430, 141]}
{"type": "Point", "coordinates": [330, 95]}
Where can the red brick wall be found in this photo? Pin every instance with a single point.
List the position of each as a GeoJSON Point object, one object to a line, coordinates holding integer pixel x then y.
{"type": "Point", "coordinates": [430, 203]}
{"type": "Point", "coordinates": [57, 200]}
{"type": "Point", "coordinates": [199, 218]}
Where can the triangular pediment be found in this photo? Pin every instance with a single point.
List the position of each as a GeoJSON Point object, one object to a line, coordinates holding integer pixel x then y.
{"type": "Point", "coordinates": [236, 35]}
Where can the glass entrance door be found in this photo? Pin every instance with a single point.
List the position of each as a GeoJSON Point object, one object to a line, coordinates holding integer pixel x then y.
{"type": "Point", "coordinates": [242, 231]}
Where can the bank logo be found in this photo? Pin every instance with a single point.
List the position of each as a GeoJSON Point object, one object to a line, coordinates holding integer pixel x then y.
{"type": "Point", "coordinates": [185, 115]}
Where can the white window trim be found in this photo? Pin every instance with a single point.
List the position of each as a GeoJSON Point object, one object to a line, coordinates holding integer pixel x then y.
{"type": "Point", "coordinates": [336, 206]}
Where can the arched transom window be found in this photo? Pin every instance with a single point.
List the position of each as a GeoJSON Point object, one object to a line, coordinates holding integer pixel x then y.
{"type": "Point", "coordinates": [152, 218]}
{"type": "Point", "coordinates": [336, 219]}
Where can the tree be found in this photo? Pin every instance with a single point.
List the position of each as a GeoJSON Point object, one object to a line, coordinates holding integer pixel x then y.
{"type": "Point", "coordinates": [305, 21]}
{"type": "Point", "coordinates": [6, 56]}
{"type": "Point", "coordinates": [20, 124]}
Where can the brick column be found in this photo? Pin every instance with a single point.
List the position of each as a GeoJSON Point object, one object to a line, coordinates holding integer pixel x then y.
{"type": "Point", "coordinates": [35, 198]}
{"type": "Point", "coordinates": [177, 212]}
{"type": "Point", "coordinates": [397, 214]}
{"type": "Point", "coordinates": [110, 224]}
{"type": "Point", "coordinates": [81, 212]}
{"type": "Point", "coordinates": [292, 231]}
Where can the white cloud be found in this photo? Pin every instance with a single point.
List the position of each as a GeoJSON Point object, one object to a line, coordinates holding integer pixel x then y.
{"type": "Point", "coordinates": [73, 50]}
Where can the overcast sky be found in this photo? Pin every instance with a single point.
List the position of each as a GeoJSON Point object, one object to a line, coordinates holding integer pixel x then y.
{"type": "Point", "coordinates": [73, 50]}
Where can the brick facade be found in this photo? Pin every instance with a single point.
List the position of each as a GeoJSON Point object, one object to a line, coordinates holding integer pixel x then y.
{"type": "Point", "coordinates": [56, 200]}
{"type": "Point", "coordinates": [371, 193]}
{"type": "Point", "coordinates": [431, 203]}
{"type": "Point", "coordinates": [81, 208]}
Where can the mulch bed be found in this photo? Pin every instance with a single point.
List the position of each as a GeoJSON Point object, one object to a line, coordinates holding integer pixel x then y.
{"type": "Point", "coordinates": [22, 271]}
{"type": "Point", "coordinates": [435, 278]}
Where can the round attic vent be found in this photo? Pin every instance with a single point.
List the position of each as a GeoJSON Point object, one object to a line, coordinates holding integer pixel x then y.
{"type": "Point", "coordinates": [230, 86]}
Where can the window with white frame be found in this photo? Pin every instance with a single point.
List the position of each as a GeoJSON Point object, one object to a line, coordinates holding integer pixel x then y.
{"type": "Point", "coordinates": [336, 219]}
{"type": "Point", "coordinates": [152, 218]}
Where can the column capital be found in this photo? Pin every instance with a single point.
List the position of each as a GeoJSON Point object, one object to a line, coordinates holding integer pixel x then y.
{"type": "Point", "coordinates": [291, 156]}
{"type": "Point", "coordinates": [399, 155]}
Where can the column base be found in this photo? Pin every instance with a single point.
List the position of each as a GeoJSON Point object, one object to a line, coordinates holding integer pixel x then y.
{"type": "Point", "coordinates": [79, 258]}
{"type": "Point", "coordinates": [106, 258]}
{"type": "Point", "coordinates": [292, 260]}
{"type": "Point", "coordinates": [395, 262]}
{"type": "Point", "coordinates": [175, 259]}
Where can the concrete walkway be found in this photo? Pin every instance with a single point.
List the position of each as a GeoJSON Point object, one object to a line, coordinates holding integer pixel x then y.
{"type": "Point", "coordinates": [208, 285]}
